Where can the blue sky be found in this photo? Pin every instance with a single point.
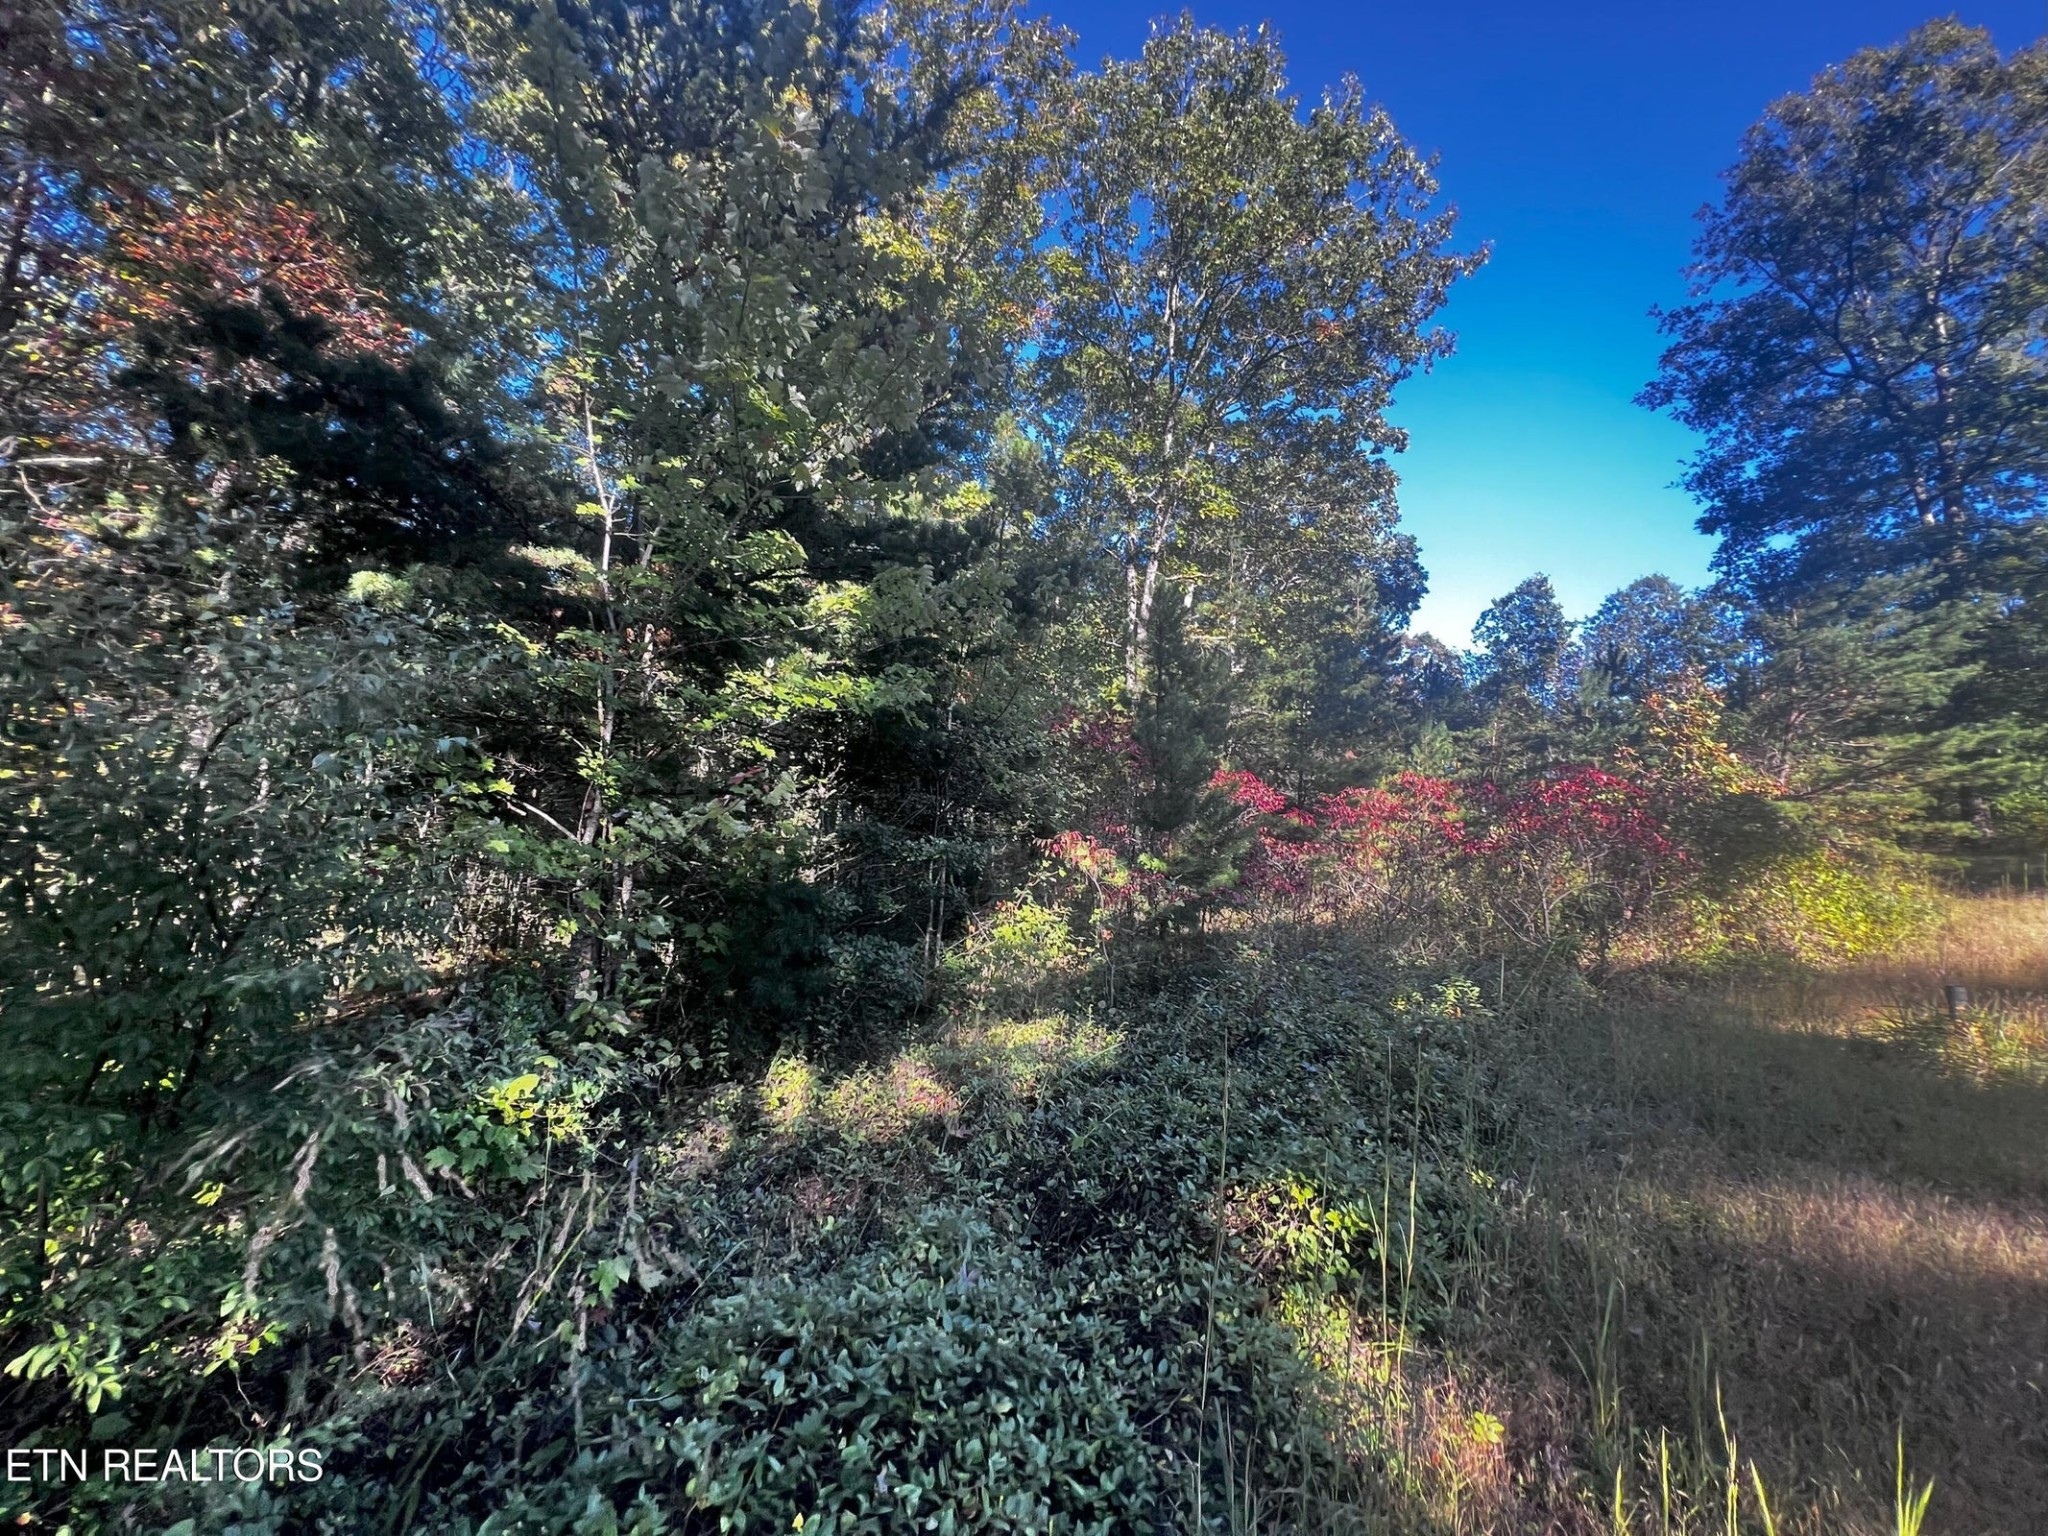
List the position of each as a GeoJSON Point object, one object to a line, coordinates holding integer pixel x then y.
{"type": "Point", "coordinates": [1578, 139]}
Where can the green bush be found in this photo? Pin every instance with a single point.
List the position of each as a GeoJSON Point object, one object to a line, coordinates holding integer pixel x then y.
{"type": "Point", "coordinates": [1813, 906]}
{"type": "Point", "coordinates": [943, 1377]}
{"type": "Point", "coordinates": [1018, 1314]}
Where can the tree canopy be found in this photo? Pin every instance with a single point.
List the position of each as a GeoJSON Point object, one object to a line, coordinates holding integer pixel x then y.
{"type": "Point", "coordinates": [557, 557]}
{"type": "Point", "coordinates": [1864, 354]}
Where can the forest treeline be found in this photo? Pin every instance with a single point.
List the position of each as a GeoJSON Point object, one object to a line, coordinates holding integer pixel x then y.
{"type": "Point", "coordinates": [554, 551]}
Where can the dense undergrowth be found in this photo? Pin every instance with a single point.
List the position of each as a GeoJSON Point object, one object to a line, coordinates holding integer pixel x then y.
{"type": "Point", "coordinates": [1034, 1273]}
{"type": "Point", "coordinates": [1289, 1237]}
{"type": "Point", "coordinates": [717, 811]}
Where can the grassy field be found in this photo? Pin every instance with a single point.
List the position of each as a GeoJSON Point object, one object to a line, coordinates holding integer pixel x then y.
{"type": "Point", "coordinates": [1758, 1251]}
{"type": "Point", "coordinates": [1771, 1228]}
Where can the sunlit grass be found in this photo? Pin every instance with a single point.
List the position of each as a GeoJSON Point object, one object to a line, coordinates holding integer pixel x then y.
{"type": "Point", "coordinates": [1019, 1054]}
{"type": "Point", "coordinates": [1995, 947]}
{"type": "Point", "coordinates": [1822, 1204]}
{"type": "Point", "coordinates": [928, 1082]}
{"type": "Point", "coordinates": [1773, 1262]}
{"type": "Point", "coordinates": [873, 1103]}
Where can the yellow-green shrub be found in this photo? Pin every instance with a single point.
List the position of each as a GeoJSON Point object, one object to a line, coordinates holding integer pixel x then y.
{"type": "Point", "coordinates": [1816, 906]}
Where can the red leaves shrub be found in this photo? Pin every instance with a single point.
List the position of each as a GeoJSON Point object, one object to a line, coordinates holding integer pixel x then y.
{"type": "Point", "coordinates": [1571, 853]}
{"type": "Point", "coordinates": [1414, 815]}
{"type": "Point", "coordinates": [1326, 850]}
{"type": "Point", "coordinates": [1593, 812]}
{"type": "Point", "coordinates": [1576, 851]}
{"type": "Point", "coordinates": [1250, 791]}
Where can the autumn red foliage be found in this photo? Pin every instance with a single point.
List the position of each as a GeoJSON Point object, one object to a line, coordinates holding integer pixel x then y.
{"type": "Point", "coordinates": [1581, 846]}
{"type": "Point", "coordinates": [225, 249]}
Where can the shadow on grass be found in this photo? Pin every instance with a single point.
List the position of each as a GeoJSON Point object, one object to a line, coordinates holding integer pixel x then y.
{"type": "Point", "coordinates": [1865, 1092]}
{"type": "Point", "coordinates": [1789, 1199]}
{"type": "Point", "coordinates": [1840, 1234]}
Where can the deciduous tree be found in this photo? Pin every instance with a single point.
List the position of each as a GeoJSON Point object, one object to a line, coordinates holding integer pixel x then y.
{"type": "Point", "coordinates": [1238, 287]}
{"type": "Point", "coordinates": [1863, 354]}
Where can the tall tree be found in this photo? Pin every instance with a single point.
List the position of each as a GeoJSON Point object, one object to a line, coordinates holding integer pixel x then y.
{"type": "Point", "coordinates": [1521, 676]}
{"type": "Point", "coordinates": [1864, 353]}
{"type": "Point", "coordinates": [1848, 699]}
{"type": "Point", "coordinates": [1523, 637]}
{"type": "Point", "coordinates": [782, 311]}
{"type": "Point", "coordinates": [1864, 358]}
{"type": "Point", "coordinates": [1238, 287]}
{"type": "Point", "coordinates": [642, 752]}
{"type": "Point", "coordinates": [1651, 632]}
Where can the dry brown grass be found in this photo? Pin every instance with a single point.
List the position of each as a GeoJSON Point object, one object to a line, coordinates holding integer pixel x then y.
{"type": "Point", "coordinates": [1442, 1445]}
{"type": "Point", "coordinates": [1814, 1192]}
{"type": "Point", "coordinates": [1994, 946]}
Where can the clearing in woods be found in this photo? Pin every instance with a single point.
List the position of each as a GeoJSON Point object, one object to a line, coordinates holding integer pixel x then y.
{"type": "Point", "coordinates": [1816, 1192]}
